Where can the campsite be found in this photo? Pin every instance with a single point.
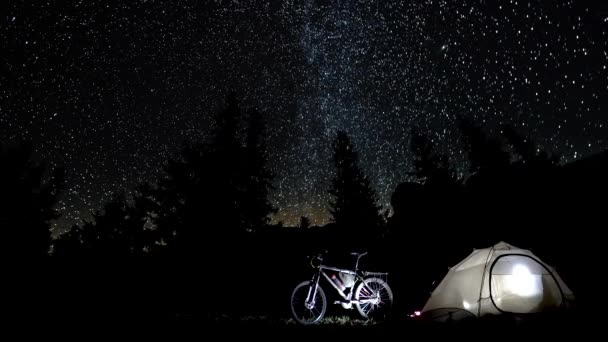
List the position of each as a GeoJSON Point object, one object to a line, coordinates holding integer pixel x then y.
{"type": "Point", "coordinates": [347, 169]}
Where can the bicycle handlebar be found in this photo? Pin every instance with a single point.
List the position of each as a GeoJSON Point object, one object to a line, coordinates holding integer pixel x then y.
{"type": "Point", "coordinates": [318, 257]}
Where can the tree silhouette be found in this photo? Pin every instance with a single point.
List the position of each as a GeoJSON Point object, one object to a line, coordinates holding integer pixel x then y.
{"type": "Point", "coordinates": [430, 165]}
{"type": "Point", "coordinates": [107, 234]}
{"type": "Point", "coordinates": [217, 190]}
{"type": "Point", "coordinates": [225, 182]}
{"type": "Point", "coordinates": [70, 243]}
{"type": "Point", "coordinates": [121, 228]}
{"type": "Point", "coordinates": [520, 145]}
{"type": "Point", "coordinates": [174, 194]}
{"type": "Point", "coordinates": [196, 203]}
{"type": "Point", "coordinates": [484, 152]}
{"type": "Point", "coordinates": [208, 197]}
{"type": "Point", "coordinates": [525, 150]}
{"type": "Point", "coordinates": [434, 200]}
{"type": "Point", "coordinates": [28, 197]}
{"type": "Point", "coordinates": [304, 222]}
{"type": "Point", "coordinates": [255, 205]}
{"type": "Point", "coordinates": [353, 207]}
{"type": "Point", "coordinates": [110, 232]}
{"type": "Point", "coordinates": [511, 185]}
{"type": "Point", "coordinates": [142, 214]}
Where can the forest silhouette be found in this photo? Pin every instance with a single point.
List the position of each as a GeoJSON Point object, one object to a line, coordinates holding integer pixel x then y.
{"type": "Point", "coordinates": [199, 240]}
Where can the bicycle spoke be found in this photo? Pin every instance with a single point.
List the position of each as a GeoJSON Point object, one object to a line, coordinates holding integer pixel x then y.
{"type": "Point", "coordinates": [374, 297]}
{"type": "Point", "coordinates": [306, 312]}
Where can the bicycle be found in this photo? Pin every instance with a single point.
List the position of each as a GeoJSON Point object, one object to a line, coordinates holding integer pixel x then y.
{"type": "Point", "coordinates": [372, 296]}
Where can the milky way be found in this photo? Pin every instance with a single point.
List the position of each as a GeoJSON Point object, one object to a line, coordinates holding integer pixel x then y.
{"type": "Point", "coordinates": [112, 89]}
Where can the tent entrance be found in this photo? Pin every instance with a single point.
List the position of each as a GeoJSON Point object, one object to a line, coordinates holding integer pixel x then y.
{"type": "Point", "coordinates": [522, 284]}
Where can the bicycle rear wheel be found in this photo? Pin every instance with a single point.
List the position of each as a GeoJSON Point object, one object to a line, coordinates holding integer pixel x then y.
{"type": "Point", "coordinates": [306, 307]}
{"type": "Point", "coordinates": [373, 298]}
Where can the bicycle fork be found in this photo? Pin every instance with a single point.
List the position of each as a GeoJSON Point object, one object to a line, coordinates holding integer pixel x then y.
{"type": "Point", "coordinates": [310, 302]}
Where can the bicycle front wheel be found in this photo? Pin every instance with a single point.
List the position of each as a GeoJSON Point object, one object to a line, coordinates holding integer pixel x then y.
{"type": "Point", "coordinates": [373, 298]}
{"type": "Point", "coordinates": [308, 307]}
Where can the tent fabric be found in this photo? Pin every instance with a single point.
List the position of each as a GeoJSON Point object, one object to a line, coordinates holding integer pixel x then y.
{"type": "Point", "coordinates": [502, 278]}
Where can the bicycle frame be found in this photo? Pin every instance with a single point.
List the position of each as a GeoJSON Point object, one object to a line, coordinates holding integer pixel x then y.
{"type": "Point", "coordinates": [359, 278]}
{"type": "Point", "coordinates": [322, 271]}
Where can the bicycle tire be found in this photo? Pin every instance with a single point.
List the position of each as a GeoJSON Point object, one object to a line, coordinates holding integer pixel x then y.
{"type": "Point", "coordinates": [300, 312]}
{"type": "Point", "coordinates": [368, 289]}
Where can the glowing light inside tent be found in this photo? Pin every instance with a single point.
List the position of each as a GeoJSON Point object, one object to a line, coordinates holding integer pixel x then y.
{"type": "Point", "coordinates": [522, 282]}
{"type": "Point", "coordinates": [415, 314]}
{"type": "Point", "coordinates": [466, 305]}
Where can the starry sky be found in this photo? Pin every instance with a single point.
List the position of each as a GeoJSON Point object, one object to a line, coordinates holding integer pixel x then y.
{"type": "Point", "coordinates": [111, 89]}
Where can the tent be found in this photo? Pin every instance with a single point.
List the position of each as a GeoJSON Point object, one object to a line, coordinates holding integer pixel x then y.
{"type": "Point", "coordinates": [495, 280]}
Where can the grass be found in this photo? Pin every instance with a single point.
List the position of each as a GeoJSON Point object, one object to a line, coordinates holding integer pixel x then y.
{"type": "Point", "coordinates": [340, 321]}
{"type": "Point", "coordinates": [337, 320]}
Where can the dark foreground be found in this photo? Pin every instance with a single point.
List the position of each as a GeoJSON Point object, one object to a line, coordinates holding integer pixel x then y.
{"type": "Point", "coordinates": [254, 328]}
{"type": "Point", "coordinates": [59, 303]}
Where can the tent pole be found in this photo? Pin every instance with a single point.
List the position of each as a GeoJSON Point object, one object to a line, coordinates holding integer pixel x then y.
{"type": "Point", "coordinates": [483, 278]}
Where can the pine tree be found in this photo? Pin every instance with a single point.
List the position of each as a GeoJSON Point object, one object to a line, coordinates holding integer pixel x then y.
{"type": "Point", "coordinates": [222, 173]}
{"type": "Point", "coordinates": [484, 152]}
{"type": "Point", "coordinates": [28, 197]}
{"type": "Point", "coordinates": [255, 206]}
{"type": "Point", "coordinates": [353, 207]}
{"type": "Point", "coordinates": [201, 200]}
{"type": "Point", "coordinates": [304, 222]}
{"type": "Point", "coordinates": [430, 165]}
{"type": "Point", "coordinates": [524, 149]}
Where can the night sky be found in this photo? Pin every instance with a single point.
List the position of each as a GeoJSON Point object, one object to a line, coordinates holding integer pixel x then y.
{"type": "Point", "coordinates": [112, 89]}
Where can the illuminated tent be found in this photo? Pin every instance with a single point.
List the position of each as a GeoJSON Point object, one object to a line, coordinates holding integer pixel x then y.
{"type": "Point", "coordinates": [494, 280]}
